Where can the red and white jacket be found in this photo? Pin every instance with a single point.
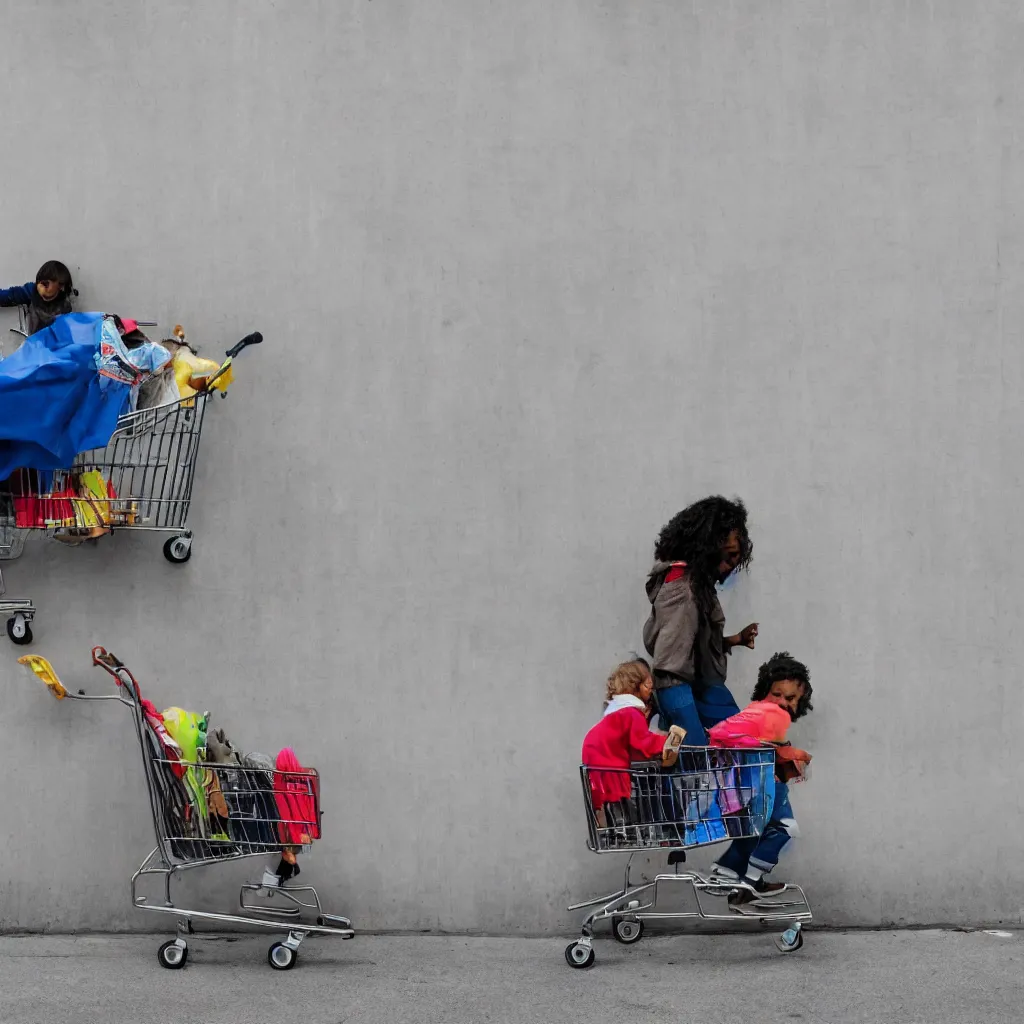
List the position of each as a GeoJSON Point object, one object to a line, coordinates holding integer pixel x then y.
{"type": "Point", "coordinates": [621, 737]}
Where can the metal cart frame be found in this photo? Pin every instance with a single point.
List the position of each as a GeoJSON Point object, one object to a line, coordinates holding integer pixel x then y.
{"type": "Point", "coordinates": [149, 461]}
{"type": "Point", "coordinates": [675, 811]}
{"type": "Point", "coordinates": [176, 853]}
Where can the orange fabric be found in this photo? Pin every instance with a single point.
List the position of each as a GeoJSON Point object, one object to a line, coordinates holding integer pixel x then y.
{"type": "Point", "coordinates": [758, 723]}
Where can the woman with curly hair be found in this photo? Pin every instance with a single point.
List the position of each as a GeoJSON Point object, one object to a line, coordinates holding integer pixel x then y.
{"type": "Point", "coordinates": [685, 635]}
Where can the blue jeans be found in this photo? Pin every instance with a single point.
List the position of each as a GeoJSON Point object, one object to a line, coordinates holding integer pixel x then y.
{"type": "Point", "coordinates": [695, 712]}
{"type": "Point", "coordinates": [763, 852]}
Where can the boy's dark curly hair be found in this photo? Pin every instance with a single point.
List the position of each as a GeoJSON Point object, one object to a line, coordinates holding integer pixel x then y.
{"type": "Point", "coordinates": [696, 535]}
{"type": "Point", "coordinates": [784, 666]}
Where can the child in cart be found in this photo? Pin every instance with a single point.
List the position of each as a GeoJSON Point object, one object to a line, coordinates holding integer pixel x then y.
{"type": "Point", "coordinates": [622, 737]}
{"type": "Point", "coordinates": [48, 298]}
{"type": "Point", "coordinates": [782, 695]}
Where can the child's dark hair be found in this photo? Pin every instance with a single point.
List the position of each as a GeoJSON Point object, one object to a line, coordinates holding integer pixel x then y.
{"type": "Point", "coordinates": [696, 535]}
{"type": "Point", "coordinates": [54, 270]}
{"type": "Point", "coordinates": [783, 666]}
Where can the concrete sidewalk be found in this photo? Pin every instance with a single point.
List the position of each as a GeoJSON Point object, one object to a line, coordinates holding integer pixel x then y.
{"type": "Point", "coordinates": [927, 977]}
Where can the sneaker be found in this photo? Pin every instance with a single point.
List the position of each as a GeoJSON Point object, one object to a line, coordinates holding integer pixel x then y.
{"type": "Point", "coordinates": [743, 901]}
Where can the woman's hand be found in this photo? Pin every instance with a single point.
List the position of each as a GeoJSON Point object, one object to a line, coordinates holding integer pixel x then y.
{"type": "Point", "coordinates": [744, 638]}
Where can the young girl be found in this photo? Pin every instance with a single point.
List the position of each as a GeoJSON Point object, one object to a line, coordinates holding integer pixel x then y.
{"type": "Point", "coordinates": [47, 299]}
{"type": "Point", "coordinates": [685, 635]}
{"type": "Point", "coordinates": [781, 696]}
{"type": "Point", "coordinates": [623, 735]}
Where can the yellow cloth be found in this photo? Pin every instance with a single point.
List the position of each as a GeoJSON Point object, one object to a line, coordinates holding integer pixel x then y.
{"type": "Point", "coordinates": [42, 668]}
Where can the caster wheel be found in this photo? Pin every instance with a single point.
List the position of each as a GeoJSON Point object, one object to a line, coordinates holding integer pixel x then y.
{"type": "Point", "coordinates": [172, 956]}
{"type": "Point", "coordinates": [281, 957]}
{"type": "Point", "coordinates": [178, 550]}
{"type": "Point", "coordinates": [627, 930]}
{"type": "Point", "coordinates": [790, 940]}
{"type": "Point", "coordinates": [579, 956]}
{"type": "Point", "coordinates": [19, 631]}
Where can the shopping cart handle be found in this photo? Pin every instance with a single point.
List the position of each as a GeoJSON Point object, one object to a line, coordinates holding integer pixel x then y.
{"type": "Point", "coordinates": [251, 339]}
{"type": "Point", "coordinates": [100, 656]}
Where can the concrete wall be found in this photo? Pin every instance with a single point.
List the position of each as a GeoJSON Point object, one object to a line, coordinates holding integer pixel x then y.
{"type": "Point", "coordinates": [533, 276]}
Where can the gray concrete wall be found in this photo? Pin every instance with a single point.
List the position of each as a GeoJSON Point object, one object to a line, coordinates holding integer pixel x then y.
{"type": "Point", "coordinates": [533, 276]}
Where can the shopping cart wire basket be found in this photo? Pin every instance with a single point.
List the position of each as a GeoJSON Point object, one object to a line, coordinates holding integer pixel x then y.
{"type": "Point", "coordinates": [207, 814]}
{"type": "Point", "coordinates": [711, 796]}
{"type": "Point", "coordinates": [141, 480]}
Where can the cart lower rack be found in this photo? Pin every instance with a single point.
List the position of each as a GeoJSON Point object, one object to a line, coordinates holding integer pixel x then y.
{"type": "Point", "coordinates": [207, 814]}
{"type": "Point", "coordinates": [712, 796]}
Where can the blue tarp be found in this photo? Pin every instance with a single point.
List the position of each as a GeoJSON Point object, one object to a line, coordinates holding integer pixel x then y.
{"type": "Point", "coordinates": [53, 402]}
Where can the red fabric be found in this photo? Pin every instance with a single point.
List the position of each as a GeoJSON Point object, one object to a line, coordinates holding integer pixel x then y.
{"type": "Point", "coordinates": [56, 508]}
{"type": "Point", "coordinates": [616, 741]}
{"type": "Point", "coordinates": [297, 797]}
{"type": "Point", "coordinates": [129, 325]}
{"type": "Point", "coordinates": [758, 723]}
{"type": "Point", "coordinates": [171, 750]}
{"type": "Point", "coordinates": [26, 512]}
{"type": "Point", "coordinates": [677, 572]}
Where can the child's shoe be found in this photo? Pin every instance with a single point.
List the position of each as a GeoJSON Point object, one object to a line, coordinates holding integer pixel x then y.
{"type": "Point", "coordinates": [743, 901]}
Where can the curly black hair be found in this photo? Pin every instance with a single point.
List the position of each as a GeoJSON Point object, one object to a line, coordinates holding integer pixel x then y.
{"type": "Point", "coordinates": [784, 666]}
{"type": "Point", "coordinates": [696, 535]}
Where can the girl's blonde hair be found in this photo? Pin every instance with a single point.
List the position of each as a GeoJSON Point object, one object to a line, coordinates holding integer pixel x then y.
{"type": "Point", "coordinates": [627, 678]}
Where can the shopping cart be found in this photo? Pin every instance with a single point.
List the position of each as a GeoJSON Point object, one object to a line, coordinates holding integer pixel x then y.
{"type": "Point", "coordinates": [711, 796]}
{"type": "Point", "coordinates": [142, 480]}
{"type": "Point", "coordinates": [192, 832]}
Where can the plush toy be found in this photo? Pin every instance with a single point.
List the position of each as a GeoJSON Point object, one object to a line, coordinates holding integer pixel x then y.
{"type": "Point", "coordinates": [219, 749]}
{"type": "Point", "coordinates": [191, 373]}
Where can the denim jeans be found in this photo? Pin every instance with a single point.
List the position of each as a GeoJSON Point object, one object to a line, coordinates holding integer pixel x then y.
{"type": "Point", "coordinates": [763, 852]}
{"type": "Point", "coordinates": [695, 712]}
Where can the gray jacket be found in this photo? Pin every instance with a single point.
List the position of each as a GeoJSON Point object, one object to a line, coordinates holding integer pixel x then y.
{"type": "Point", "coordinates": [678, 638]}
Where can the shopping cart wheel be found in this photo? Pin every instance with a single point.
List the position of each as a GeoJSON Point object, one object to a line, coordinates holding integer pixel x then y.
{"type": "Point", "coordinates": [579, 956]}
{"type": "Point", "coordinates": [178, 550]}
{"type": "Point", "coordinates": [172, 955]}
{"type": "Point", "coordinates": [19, 630]}
{"type": "Point", "coordinates": [281, 957]}
{"type": "Point", "coordinates": [790, 940]}
{"type": "Point", "coordinates": [627, 930]}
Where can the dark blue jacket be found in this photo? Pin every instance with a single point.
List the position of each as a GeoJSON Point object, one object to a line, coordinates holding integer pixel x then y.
{"type": "Point", "coordinates": [40, 314]}
{"type": "Point", "coordinates": [19, 295]}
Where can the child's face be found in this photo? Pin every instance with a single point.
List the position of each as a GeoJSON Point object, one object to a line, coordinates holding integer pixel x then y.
{"type": "Point", "coordinates": [646, 690]}
{"type": "Point", "coordinates": [786, 693]}
{"type": "Point", "coordinates": [48, 290]}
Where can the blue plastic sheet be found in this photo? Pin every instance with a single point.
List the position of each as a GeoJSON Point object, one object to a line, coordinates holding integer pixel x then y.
{"type": "Point", "coordinates": [53, 402]}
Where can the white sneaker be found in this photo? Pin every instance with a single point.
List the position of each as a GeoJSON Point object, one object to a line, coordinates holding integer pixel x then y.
{"type": "Point", "coordinates": [270, 880]}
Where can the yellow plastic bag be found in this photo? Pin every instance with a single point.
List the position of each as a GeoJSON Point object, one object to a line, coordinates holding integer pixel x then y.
{"type": "Point", "coordinates": [44, 670]}
{"type": "Point", "coordinates": [92, 508]}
